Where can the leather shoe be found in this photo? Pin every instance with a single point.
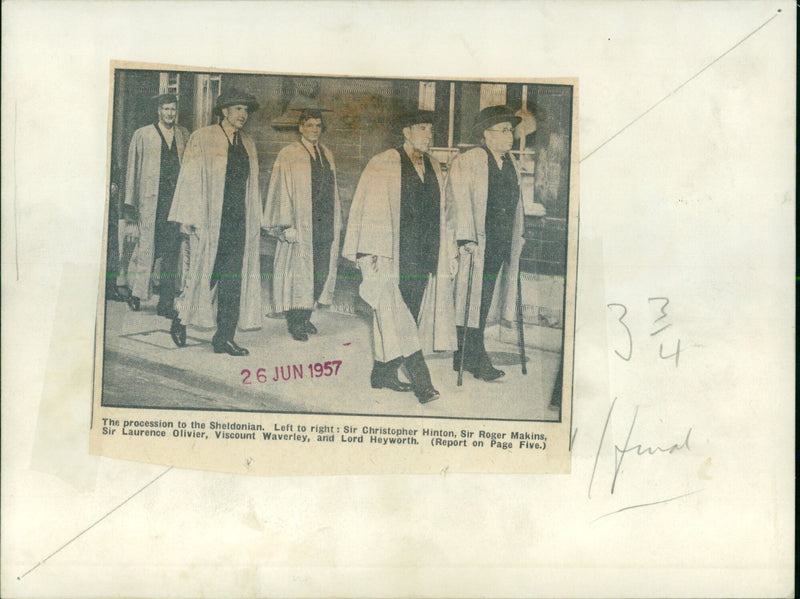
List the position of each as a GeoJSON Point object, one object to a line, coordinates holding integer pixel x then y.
{"type": "Point", "coordinates": [391, 383]}
{"type": "Point", "coordinates": [428, 395]}
{"type": "Point", "coordinates": [134, 303]}
{"type": "Point", "coordinates": [298, 334]}
{"type": "Point", "coordinates": [487, 372]}
{"type": "Point", "coordinates": [310, 328]}
{"type": "Point", "coordinates": [230, 348]}
{"type": "Point", "coordinates": [178, 332]}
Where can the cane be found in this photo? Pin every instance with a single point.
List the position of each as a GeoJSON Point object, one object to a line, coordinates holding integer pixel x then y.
{"type": "Point", "coordinates": [466, 322]}
{"type": "Point", "coordinates": [521, 324]}
{"type": "Point", "coordinates": [185, 258]}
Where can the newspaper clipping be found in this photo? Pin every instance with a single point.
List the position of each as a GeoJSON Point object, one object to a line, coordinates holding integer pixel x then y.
{"type": "Point", "coordinates": [312, 274]}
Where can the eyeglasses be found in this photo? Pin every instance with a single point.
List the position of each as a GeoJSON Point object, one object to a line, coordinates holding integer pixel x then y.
{"type": "Point", "coordinates": [503, 130]}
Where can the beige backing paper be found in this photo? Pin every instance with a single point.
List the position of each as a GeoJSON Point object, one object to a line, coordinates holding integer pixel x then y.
{"type": "Point", "coordinates": [687, 113]}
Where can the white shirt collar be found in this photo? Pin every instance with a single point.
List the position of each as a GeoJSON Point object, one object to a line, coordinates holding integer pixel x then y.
{"type": "Point", "coordinates": [168, 134]}
{"type": "Point", "coordinates": [310, 146]}
{"type": "Point", "coordinates": [497, 157]}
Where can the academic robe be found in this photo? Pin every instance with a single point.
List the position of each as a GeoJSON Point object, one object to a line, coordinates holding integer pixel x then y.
{"type": "Point", "coordinates": [198, 202]}
{"type": "Point", "coordinates": [141, 194]}
{"type": "Point", "coordinates": [289, 205]}
{"type": "Point", "coordinates": [373, 228]}
{"type": "Point", "coordinates": [467, 189]}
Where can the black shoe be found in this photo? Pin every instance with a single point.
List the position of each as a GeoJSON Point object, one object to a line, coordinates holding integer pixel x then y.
{"type": "Point", "coordinates": [392, 383]}
{"type": "Point", "coordinates": [384, 376]}
{"type": "Point", "coordinates": [298, 333]}
{"type": "Point", "coordinates": [487, 372]}
{"type": "Point", "coordinates": [134, 303]}
{"type": "Point", "coordinates": [309, 328]}
{"type": "Point", "coordinates": [229, 347]}
{"type": "Point", "coordinates": [166, 311]}
{"type": "Point", "coordinates": [178, 332]}
{"type": "Point", "coordinates": [428, 395]}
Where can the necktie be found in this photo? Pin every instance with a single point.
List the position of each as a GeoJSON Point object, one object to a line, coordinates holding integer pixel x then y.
{"type": "Point", "coordinates": [236, 139]}
{"type": "Point", "coordinates": [419, 164]}
{"type": "Point", "coordinates": [316, 154]}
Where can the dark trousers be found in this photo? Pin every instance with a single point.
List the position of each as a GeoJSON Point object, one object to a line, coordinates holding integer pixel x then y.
{"type": "Point", "coordinates": [229, 293]}
{"type": "Point", "coordinates": [321, 259]}
{"type": "Point", "coordinates": [412, 288]}
{"type": "Point", "coordinates": [496, 253]}
{"type": "Point", "coordinates": [168, 249]}
{"type": "Point", "coordinates": [228, 279]}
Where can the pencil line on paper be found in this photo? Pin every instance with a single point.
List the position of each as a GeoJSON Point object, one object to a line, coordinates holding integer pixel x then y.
{"type": "Point", "coordinates": [631, 507]}
{"type": "Point", "coordinates": [88, 528]}
{"type": "Point", "coordinates": [684, 84]}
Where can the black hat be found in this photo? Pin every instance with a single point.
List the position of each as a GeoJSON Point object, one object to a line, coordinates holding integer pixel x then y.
{"type": "Point", "coordinates": [162, 99]}
{"type": "Point", "coordinates": [416, 117]}
{"type": "Point", "coordinates": [491, 115]}
{"type": "Point", "coordinates": [234, 96]}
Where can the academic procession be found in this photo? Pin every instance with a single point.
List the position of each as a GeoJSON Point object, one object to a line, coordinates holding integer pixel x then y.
{"type": "Point", "coordinates": [265, 231]}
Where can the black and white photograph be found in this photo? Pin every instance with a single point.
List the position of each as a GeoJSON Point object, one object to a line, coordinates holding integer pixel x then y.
{"type": "Point", "coordinates": [285, 243]}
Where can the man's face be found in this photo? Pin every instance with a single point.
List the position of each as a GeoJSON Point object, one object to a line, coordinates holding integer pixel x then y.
{"type": "Point", "coordinates": [499, 138]}
{"type": "Point", "coordinates": [419, 136]}
{"type": "Point", "coordinates": [167, 113]}
{"type": "Point", "coordinates": [311, 129]}
{"type": "Point", "coordinates": [236, 115]}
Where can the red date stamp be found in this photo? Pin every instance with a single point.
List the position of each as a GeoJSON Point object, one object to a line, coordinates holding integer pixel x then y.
{"type": "Point", "coordinates": [290, 372]}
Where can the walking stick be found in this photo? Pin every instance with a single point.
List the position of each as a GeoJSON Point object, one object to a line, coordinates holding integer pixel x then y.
{"type": "Point", "coordinates": [466, 322]}
{"type": "Point", "coordinates": [520, 323]}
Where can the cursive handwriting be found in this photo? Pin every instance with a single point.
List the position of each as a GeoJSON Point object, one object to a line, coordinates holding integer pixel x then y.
{"type": "Point", "coordinates": [621, 452]}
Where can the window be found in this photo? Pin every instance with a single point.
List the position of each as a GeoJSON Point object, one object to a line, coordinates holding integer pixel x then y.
{"type": "Point", "coordinates": [169, 83]}
{"type": "Point", "coordinates": [492, 95]}
{"type": "Point", "coordinates": [207, 89]}
{"type": "Point", "coordinates": [427, 95]}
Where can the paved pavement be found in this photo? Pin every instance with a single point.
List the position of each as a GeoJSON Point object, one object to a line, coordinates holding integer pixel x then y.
{"type": "Point", "coordinates": [143, 368]}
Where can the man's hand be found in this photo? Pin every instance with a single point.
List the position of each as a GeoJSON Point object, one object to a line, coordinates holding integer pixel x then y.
{"type": "Point", "coordinates": [368, 262]}
{"type": "Point", "coordinates": [187, 229]}
{"type": "Point", "coordinates": [289, 235]}
{"type": "Point", "coordinates": [131, 231]}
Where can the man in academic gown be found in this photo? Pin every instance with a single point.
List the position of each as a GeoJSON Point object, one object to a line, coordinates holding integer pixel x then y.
{"type": "Point", "coordinates": [483, 185]}
{"type": "Point", "coordinates": [303, 212]}
{"type": "Point", "coordinates": [218, 206]}
{"type": "Point", "coordinates": [399, 232]}
{"type": "Point", "coordinates": [154, 160]}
